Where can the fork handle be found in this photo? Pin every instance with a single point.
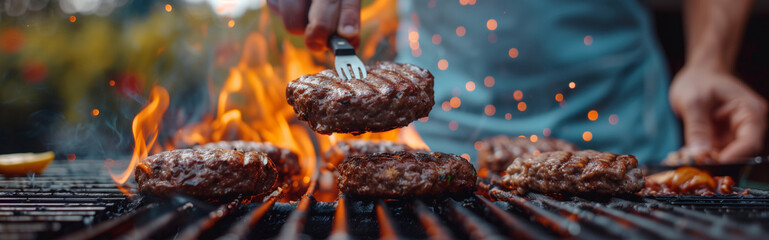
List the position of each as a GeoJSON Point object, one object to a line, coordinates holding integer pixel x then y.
{"type": "Point", "coordinates": [340, 46]}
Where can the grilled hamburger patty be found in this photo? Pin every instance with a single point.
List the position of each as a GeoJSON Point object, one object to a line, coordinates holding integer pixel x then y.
{"type": "Point", "coordinates": [496, 153]}
{"type": "Point", "coordinates": [580, 172]}
{"type": "Point", "coordinates": [392, 96]}
{"type": "Point", "coordinates": [356, 147]}
{"type": "Point", "coordinates": [285, 160]}
{"type": "Point", "coordinates": [206, 173]}
{"type": "Point", "coordinates": [404, 174]}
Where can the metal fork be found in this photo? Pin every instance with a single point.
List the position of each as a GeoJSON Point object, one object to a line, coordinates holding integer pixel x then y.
{"type": "Point", "coordinates": [345, 59]}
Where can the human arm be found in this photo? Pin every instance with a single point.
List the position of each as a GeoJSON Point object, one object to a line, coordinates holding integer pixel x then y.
{"type": "Point", "coordinates": [317, 20]}
{"type": "Point", "coordinates": [719, 111]}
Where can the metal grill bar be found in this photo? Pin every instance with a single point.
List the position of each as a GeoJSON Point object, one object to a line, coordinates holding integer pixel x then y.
{"type": "Point", "coordinates": [433, 226]}
{"type": "Point", "coordinates": [386, 225]}
{"type": "Point", "coordinates": [44, 205]}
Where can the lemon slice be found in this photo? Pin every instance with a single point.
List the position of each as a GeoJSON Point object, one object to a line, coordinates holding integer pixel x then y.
{"type": "Point", "coordinates": [19, 164]}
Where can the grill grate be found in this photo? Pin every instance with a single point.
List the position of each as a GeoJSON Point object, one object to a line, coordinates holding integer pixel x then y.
{"type": "Point", "coordinates": [67, 202]}
{"type": "Point", "coordinates": [67, 197]}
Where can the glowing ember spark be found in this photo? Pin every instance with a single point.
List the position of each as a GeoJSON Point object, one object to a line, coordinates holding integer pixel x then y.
{"type": "Point", "coordinates": [413, 36]}
{"type": "Point", "coordinates": [533, 138]}
{"type": "Point", "coordinates": [489, 110]}
{"type": "Point", "coordinates": [95, 112]}
{"type": "Point", "coordinates": [470, 86]}
{"type": "Point", "coordinates": [231, 23]}
{"type": "Point", "coordinates": [572, 85]}
{"type": "Point", "coordinates": [491, 24]}
{"type": "Point", "coordinates": [488, 81]}
{"type": "Point", "coordinates": [455, 102]}
{"type": "Point", "coordinates": [443, 64]}
{"type": "Point", "coordinates": [558, 97]}
{"type": "Point", "coordinates": [453, 125]}
{"type": "Point", "coordinates": [145, 130]}
{"type": "Point", "coordinates": [111, 83]}
{"type": "Point", "coordinates": [461, 31]}
{"type": "Point", "coordinates": [513, 53]}
{"type": "Point", "coordinates": [465, 156]}
{"type": "Point", "coordinates": [518, 95]}
{"type": "Point", "coordinates": [169, 8]}
{"type": "Point", "coordinates": [508, 116]}
{"type": "Point", "coordinates": [592, 115]}
{"type": "Point", "coordinates": [72, 18]}
{"type": "Point", "coordinates": [521, 106]}
{"type": "Point", "coordinates": [587, 136]}
{"type": "Point", "coordinates": [613, 119]}
{"type": "Point", "coordinates": [436, 39]}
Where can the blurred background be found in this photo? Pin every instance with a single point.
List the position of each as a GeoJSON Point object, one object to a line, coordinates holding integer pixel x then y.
{"type": "Point", "coordinates": [74, 73]}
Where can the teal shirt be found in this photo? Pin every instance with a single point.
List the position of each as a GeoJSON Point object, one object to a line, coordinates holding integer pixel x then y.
{"type": "Point", "coordinates": [607, 48]}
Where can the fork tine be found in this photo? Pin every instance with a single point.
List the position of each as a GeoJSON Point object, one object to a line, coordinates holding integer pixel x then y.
{"type": "Point", "coordinates": [356, 71]}
{"type": "Point", "coordinates": [340, 72]}
{"type": "Point", "coordinates": [363, 72]}
{"type": "Point", "coordinates": [347, 72]}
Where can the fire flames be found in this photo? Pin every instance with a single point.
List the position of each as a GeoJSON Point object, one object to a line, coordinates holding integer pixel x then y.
{"type": "Point", "coordinates": [251, 104]}
{"type": "Point", "coordinates": [145, 130]}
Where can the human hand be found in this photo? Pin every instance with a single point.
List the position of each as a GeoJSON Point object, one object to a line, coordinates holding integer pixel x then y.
{"type": "Point", "coordinates": [319, 19]}
{"type": "Point", "coordinates": [720, 114]}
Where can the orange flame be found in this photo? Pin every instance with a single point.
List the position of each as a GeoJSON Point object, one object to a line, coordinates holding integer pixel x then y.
{"type": "Point", "coordinates": [251, 104]}
{"type": "Point", "coordinates": [145, 130]}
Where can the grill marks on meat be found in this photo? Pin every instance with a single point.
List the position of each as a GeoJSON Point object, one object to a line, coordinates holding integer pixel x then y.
{"type": "Point", "coordinates": [578, 173]}
{"type": "Point", "coordinates": [357, 147]}
{"type": "Point", "coordinates": [687, 181]}
{"type": "Point", "coordinates": [403, 174]}
{"type": "Point", "coordinates": [392, 96]}
{"type": "Point", "coordinates": [496, 153]}
{"type": "Point", "coordinates": [206, 173]}
{"type": "Point", "coordinates": [285, 160]}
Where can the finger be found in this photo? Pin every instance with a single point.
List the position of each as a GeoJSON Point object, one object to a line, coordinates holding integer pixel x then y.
{"type": "Point", "coordinates": [323, 20]}
{"type": "Point", "coordinates": [294, 14]}
{"type": "Point", "coordinates": [749, 125]}
{"type": "Point", "coordinates": [349, 20]}
{"type": "Point", "coordinates": [698, 128]}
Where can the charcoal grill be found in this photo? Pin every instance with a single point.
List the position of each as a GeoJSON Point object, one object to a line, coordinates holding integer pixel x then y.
{"type": "Point", "coordinates": [74, 200]}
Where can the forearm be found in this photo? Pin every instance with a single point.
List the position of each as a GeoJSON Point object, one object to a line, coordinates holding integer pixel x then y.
{"type": "Point", "coordinates": [714, 31]}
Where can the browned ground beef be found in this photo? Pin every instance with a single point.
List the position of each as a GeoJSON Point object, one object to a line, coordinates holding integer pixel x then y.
{"type": "Point", "coordinates": [496, 153]}
{"type": "Point", "coordinates": [392, 96]}
{"type": "Point", "coordinates": [578, 173]}
{"type": "Point", "coordinates": [206, 173]}
{"type": "Point", "coordinates": [403, 174]}
{"type": "Point", "coordinates": [285, 160]}
{"type": "Point", "coordinates": [356, 147]}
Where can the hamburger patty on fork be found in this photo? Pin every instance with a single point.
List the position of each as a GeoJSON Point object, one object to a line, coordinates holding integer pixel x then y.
{"type": "Point", "coordinates": [392, 96]}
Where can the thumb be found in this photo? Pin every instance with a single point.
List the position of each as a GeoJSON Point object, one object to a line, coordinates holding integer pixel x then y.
{"type": "Point", "coordinates": [698, 128]}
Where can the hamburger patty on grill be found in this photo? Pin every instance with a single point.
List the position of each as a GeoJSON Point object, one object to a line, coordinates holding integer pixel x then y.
{"type": "Point", "coordinates": [496, 153]}
{"type": "Point", "coordinates": [356, 147]}
{"type": "Point", "coordinates": [578, 173]}
{"type": "Point", "coordinates": [404, 174]}
{"type": "Point", "coordinates": [206, 173]}
{"type": "Point", "coordinates": [392, 96]}
{"type": "Point", "coordinates": [285, 160]}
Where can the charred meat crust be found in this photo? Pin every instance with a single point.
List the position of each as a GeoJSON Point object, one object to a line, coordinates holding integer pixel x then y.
{"type": "Point", "coordinates": [392, 96]}
{"type": "Point", "coordinates": [356, 147]}
{"type": "Point", "coordinates": [578, 173]}
{"type": "Point", "coordinates": [206, 173]}
{"type": "Point", "coordinates": [285, 160]}
{"type": "Point", "coordinates": [404, 174]}
{"type": "Point", "coordinates": [496, 153]}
